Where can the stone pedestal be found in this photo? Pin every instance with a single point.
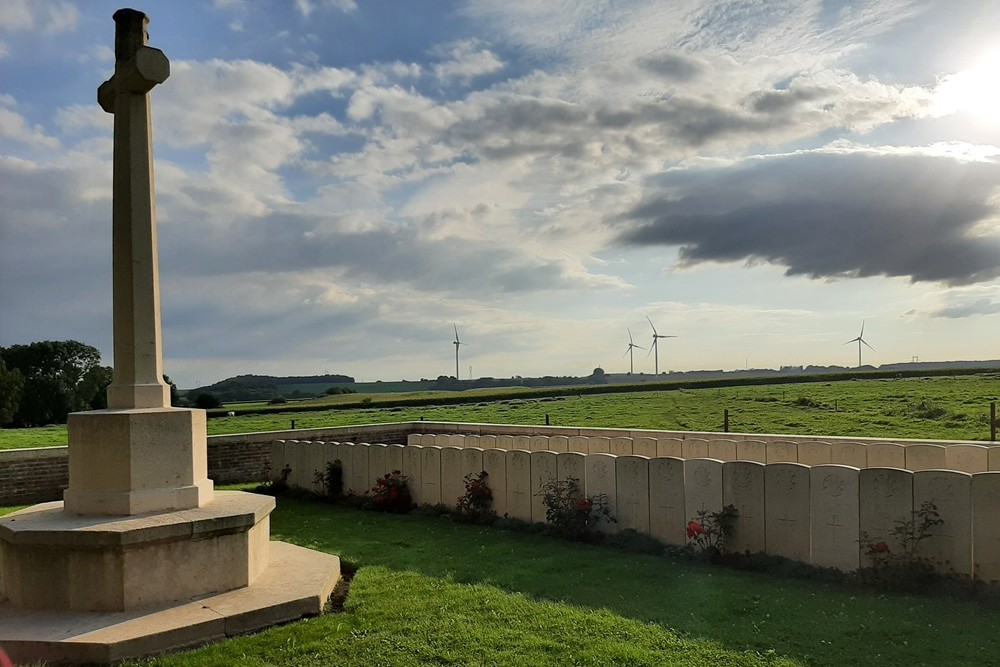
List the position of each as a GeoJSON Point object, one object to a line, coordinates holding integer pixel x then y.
{"type": "Point", "coordinates": [125, 462]}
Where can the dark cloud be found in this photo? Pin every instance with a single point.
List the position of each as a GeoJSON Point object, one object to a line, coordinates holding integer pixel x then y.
{"type": "Point", "coordinates": [830, 215]}
{"type": "Point", "coordinates": [672, 66]}
{"type": "Point", "coordinates": [780, 101]}
{"type": "Point", "coordinates": [983, 306]}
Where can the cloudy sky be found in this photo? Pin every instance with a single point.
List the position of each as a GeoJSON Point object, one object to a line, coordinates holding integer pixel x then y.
{"type": "Point", "coordinates": [341, 181]}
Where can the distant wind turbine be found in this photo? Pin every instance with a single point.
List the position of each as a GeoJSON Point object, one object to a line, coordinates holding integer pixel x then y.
{"type": "Point", "coordinates": [654, 348]}
{"type": "Point", "coordinates": [860, 341]}
{"type": "Point", "coordinates": [628, 351]}
{"type": "Point", "coordinates": [457, 343]}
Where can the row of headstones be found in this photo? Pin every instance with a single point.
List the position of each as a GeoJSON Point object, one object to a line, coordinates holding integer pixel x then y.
{"type": "Point", "coordinates": [964, 457]}
{"type": "Point", "coordinates": [811, 514]}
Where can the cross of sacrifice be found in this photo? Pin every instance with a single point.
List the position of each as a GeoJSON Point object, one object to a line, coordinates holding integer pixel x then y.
{"type": "Point", "coordinates": [138, 367]}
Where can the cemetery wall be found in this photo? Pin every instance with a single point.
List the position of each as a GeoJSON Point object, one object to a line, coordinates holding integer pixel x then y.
{"type": "Point", "coordinates": [821, 514]}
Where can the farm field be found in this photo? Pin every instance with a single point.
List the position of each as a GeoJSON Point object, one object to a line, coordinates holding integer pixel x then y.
{"type": "Point", "coordinates": [954, 408]}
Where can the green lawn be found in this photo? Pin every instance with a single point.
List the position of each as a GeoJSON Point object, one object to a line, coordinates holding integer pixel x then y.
{"type": "Point", "coordinates": [955, 408]}
{"type": "Point", "coordinates": [430, 591]}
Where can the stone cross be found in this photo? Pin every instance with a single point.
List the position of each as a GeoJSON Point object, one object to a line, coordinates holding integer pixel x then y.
{"type": "Point", "coordinates": [138, 365]}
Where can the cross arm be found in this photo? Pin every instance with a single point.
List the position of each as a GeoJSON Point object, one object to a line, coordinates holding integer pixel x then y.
{"type": "Point", "coordinates": [138, 76]}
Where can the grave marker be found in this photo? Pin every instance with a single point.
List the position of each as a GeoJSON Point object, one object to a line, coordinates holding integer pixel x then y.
{"type": "Point", "coordinates": [519, 484]}
{"type": "Point", "coordinates": [743, 488]}
{"type": "Point", "coordinates": [786, 510]}
{"type": "Point", "coordinates": [835, 516]}
{"type": "Point", "coordinates": [667, 513]}
{"type": "Point", "coordinates": [632, 479]}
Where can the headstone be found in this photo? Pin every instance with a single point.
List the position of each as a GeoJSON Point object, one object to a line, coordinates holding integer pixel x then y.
{"type": "Point", "coordinates": [456, 440]}
{"type": "Point", "coordinates": [505, 442]}
{"type": "Point", "coordinates": [519, 484]}
{"type": "Point", "coordinates": [925, 457]}
{"type": "Point", "coordinates": [667, 514]}
{"type": "Point", "coordinates": [569, 465]}
{"type": "Point", "coordinates": [360, 479]}
{"type": "Point", "coordinates": [751, 450]}
{"type": "Point", "coordinates": [781, 452]}
{"type": "Point", "coordinates": [886, 500]}
{"type": "Point", "coordinates": [632, 480]}
{"type": "Point", "coordinates": [994, 457]}
{"type": "Point", "coordinates": [600, 445]}
{"type": "Point", "coordinates": [430, 476]}
{"type": "Point", "coordinates": [815, 453]}
{"type": "Point", "coordinates": [441, 440]}
{"type": "Point", "coordinates": [452, 479]}
{"type": "Point", "coordinates": [495, 465]}
{"type": "Point", "coordinates": [644, 447]}
{"type": "Point", "coordinates": [985, 527]}
{"type": "Point", "coordinates": [622, 446]}
{"type": "Point", "coordinates": [852, 454]}
{"type": "Point", "coordinates": [488, 441]}
{"type": "Point", "coordinates": [786, 510]}
{"type": "Point", "coordinates": [950, 544]}
{"type": "Point", "coordinates": [540, 443]}
{"type": "Point", "coordinates": [543, 471]}
{"type": "Point", "coordinates": [394, 458]}
{"type": "Point", "coordinates": [471, 441]}
{"type": "Point", "coordinates": [702, 487]}
{"type": "Point", "coordinates": [413, 439]}
{"type": "Point", "coordinates": [378, 462]}
{"type": "Point", "coordinates": [318, 461]}
{"type": "Point", "coordinates": [669, 447]}
{"type": "Point", "coordinates": [298, 459]}
{"type": "Point", "coordinates": [743, 488]}
{"type": "Point", "coordinates": [427, 440]}
{"type": "Point", "coordinates": [472, 463]}
{"type": "Point", "coordinates": [522, 442]}
{"type": "Point", "coordinates": [722, 449]}
{"type": "Point", "coordinates": [579, 444]}
{"type": "Point", "coordinates": [886, 455]}
{"type": "Point", "coordinates": [558, 443]}
{"type": "Point", "coordinates": [278, 459]}
{"type": "Point", "coordinates": [601, 478]}
{"type": "Point", "coordinates": [413, 471]}
{"type": "Point", "coordinates": [967, 458]}
{"type": "Point", "coordinates": [694, 448]}
{"type": "Point", "coordinates": [835, 516]}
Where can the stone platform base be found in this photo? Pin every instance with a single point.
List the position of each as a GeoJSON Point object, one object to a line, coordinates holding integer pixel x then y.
{"type": "Point", "coordinates": [297, 582]}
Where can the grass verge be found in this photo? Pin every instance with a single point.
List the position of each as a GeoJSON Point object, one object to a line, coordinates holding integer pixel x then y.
{"type": "Point", "coordinates": [431, 591]}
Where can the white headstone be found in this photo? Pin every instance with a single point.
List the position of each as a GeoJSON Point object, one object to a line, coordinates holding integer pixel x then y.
{"type": "Point", "coordinates": [540, 443]}
{"type": "Point", "coordinates": [644, 447]}
{"type": "Point", "coordinates": [950, 544]}
{"type": "Point", "coordinates": [601, 478]}
{"type": "Point", "coordinates": [522, 442]}
{"type": "Point", "coordinates": [667, 513]}
{"type": "Point", "coordinates": [569, 465]}
{"type": "Point", "coordinates": [694, 448]}
{"type": "Point", "coordinates": [985, 527]}
{"type": "Point", "coordinates": [413, 439]}
{"type": "Point", "coordinates": [519, 484]}
{"type": "Point", "coordinates": [925, 457]}
{"type": "Point", "coordinates": [621, 446]}
{"type": "Point", "coordinates": [781, 452]}
{"type": "Point", "coordinates": [558, 443]}
{"type": "Point", "coordinates": [815, 453]}
{"type": "Point", "coordinates": [994, 457]}
{"type": "Point", "coordinates": [835, 516]}
{"type": "Point", "coordinates": [632, 475]}
{"type": "Point", "coordinates": [495, 465]}
{"type": "Point", "coordinates": [317, 457]}
{"type": "Point", "coordinates": [452, 478]}
{"type": "Point", "coordinates": [456, 440]}
{"type": "Point", "coordinates": [886, 455]}
{"type": "Point", "coordinates": [669, 447]}
{"type": "Point", "coordinates": [394, 458]}
{"type": "Point", "coordinates": [505, 442]}
{"type": "Point", "coordinates": [722, 449]}
{"type": "Point", "coordinates": [413, 469]}
{"type": "Point", "coordinates": [360, 479]}
{"type": "Point", "coordinates": [786, 510]}
{"type": "Point", "coordinates": [427, 440]}
{"type": "Point", "coordinates": [471, 441]}
{"type": "Point", "coordinates": [967, 458]}
{"type": "Point", "coordinates": [378, 462]}
{"type": "Point", "coordinates": [702, 486]}
{"type": "Point", "coordinates": [743, 488]}
{"type": "Point", "coordinates": [543, 471]}
{"type": "Point", "coordinates": [488, 441]}
{"type": "Point", "coordinates": [852, 454]}
{"type": "Point", "coordinates": [886, 499]}
{"type": "Point", "coordinates": [751, 450]}
{"type": "Point", "coordinates": [430, 476]}
{"type": "Point", "coordinates": [579, 443]}
{"type": "Point", "coordinates": [599, 445]}
{"type": "Point", "coordinates": [472, 463]}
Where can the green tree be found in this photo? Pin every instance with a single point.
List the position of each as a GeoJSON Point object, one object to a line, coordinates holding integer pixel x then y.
{"type": "Point", "coordinates": [206, 401]}
{"type": "Point", "coordinates": [11, 389]}
{"type": "Point", "coordinates": [59, 377]}
{"type": "Point", "coordinates": [175, 396]}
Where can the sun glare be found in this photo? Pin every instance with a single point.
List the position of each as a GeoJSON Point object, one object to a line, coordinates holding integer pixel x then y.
{"type": "Point", "coordinates": [975, 91]}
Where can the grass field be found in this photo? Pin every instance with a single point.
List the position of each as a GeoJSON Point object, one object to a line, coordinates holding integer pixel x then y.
{"type": "Point", "coordinates": [955, 408]}
{"type": "Point", "coordinates": [430, 591]}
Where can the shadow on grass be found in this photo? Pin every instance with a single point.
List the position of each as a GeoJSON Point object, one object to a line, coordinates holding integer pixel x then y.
{"type": "Point", "coordinates": [816, 622]}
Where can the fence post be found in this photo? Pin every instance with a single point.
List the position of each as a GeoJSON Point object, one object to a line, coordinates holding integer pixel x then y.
{"type": "Point", "coordinates": [546, 419]}
{"type": "Point", "coordinates": [293, 424]}
{"type": "Point", "coordinates": [993, 421]}
{"type": "Point", "coordinates": [725, 420]}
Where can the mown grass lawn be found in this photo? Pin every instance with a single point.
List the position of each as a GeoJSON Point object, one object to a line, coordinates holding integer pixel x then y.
{"type": "Point", "coordinates": [430, 591]}
{"type": "Point", "coordinates": [953, 408]}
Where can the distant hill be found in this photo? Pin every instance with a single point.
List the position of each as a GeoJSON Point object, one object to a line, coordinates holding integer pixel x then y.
{"type": "Point", "coordinates": [266, 387]}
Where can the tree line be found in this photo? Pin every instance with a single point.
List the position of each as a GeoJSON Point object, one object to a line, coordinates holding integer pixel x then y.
{"type": "Point", "coordinates": [42, 382]}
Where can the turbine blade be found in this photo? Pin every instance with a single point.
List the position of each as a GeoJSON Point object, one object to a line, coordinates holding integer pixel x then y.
{"type": "Point", "coordinates": [629, 335]}
{"type": "Point", "coordinates": [650, 350]}
{"type": "Point", "coordinates": [867, 345]}
{"type": "Point", "coordinates": [651, 324]}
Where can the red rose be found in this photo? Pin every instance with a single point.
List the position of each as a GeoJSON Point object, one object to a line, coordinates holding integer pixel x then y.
{"type": "Point", "coordinates": [694, 528]}
{"type": "Point", "coordinates": [880, 548]}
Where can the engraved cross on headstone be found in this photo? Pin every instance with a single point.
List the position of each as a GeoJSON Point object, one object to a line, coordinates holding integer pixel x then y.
{"type": "Point", "coordinates": [138, 360]}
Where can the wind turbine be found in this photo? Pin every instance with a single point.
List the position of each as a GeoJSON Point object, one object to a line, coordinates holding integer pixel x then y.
{"type": "Point", "coordinates": [457, 344]}
{"type": "Point", "coordinates": [628, 351]}
{"type": "Point", "coordinates": [654, 348]}
{"type": "Point", "coordinates": [860, 340]}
